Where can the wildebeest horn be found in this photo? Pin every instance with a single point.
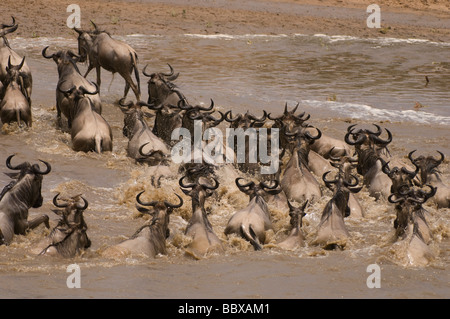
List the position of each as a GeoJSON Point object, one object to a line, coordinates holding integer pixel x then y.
{"type": "Point", "coordinates": [349, 184]}
{"type": "Point", "coordinates": [95, 26]}
{"type": "Point", "coordinates": [428, 195]}
{"type": "Point", "coordinates": [274, 118]}
{"type": "Point", "coordinates": [377, 133]}
{"type": "Point", "coordinates": [8, 163]}
{"type": "Point", "coordinates": [326, 181]}
{"type": "Point", "coordinates": [385, 166]}
{"type": "Point", "coordinates": [145, 73]}
{"type": "Point", "coordinates": [249, 184]}
{"type": "Point", "coordinates": [36, 169]}
{"type": "Point", "coordinates": [261, 119]}
{"type": "Point", "coordinates": [229, 117]}
{"type": "Point", "coordinates": [128, 105]}
{"type": "Point", "coordinates": [171, 71]}
{"type": "Point", "coordinates": [169, 205]}
{"type": "Point", "coordinates": [378, 140]}
{"type": "Point", "coordinates": [2, 26]}
{"type": "Point", "coordinates": [394, 201]}
{"type": "Point", "coordinates": [264, 185]}
{"type": "Point", "coordinates": [182, 184]}
{"type": "Point", "coordinates": [215, 186]}
{"type": "Point", "coordinates": [55, 202]}
{"type": "Point", "coordinates": [207, 108]}
{"type": "Point", "coordinates": [85, 205]}
{"type": "Point", "coordinates": [361, 139]}
{"type": "Point", "coordinates": [44, 53]}
{"type": "Point", "coordinates": [319, 135]}
{"type": "Point", "coordinates": [77, 30]}
{"type": "Point", "coordinates": [69, 91]}
{"type": "Point", "coordinates": [85, 91]}
{"type": "Point", "coordinates": [138, 199]}
{"type": "Point", "coordinates": [218, 120]}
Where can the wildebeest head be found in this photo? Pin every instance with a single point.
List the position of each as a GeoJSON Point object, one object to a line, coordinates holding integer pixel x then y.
{"type": "Point", "coordinates": [289, 119]}
{"type": "Point", "coordinates": [427, 165]}
{"type": "Point", "coordinates": [160, 210]}
{"type": "Point", "coordinates": [400, 177]}
{"type": "Point", "coordinates": [14, 74]}
{"type": "Point", "coordinates": [200, 113]}
{"type": "Point", "coordinates": [296, 214]}
{"type": "Point", "coordinates": [133, 115]}
{"type": "Point", "coordinates": [62, 58]}
{"type": "Point", "coordinates": [198, 191]}
{"type": "Point", "coordinates": [31, 176]}
{"type": "Point", "coordinates": [300, 141]}
{"type": "Point", "coordinates": [75, 94]}
{"type": "Point", "coordinates": [257, 190]}
{"type": "Point", "coordinates": [160, 86]}
{"type": "Point", "coordinates": [246, 120]}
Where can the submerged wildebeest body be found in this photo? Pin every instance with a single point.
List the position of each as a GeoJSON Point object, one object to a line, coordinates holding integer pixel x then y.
{"type": "Point", "coordinates": [252, 222]}
{"type": "Point", "coordinates": [332, 231]}
{"type": "Point", "coordinates": [297, 182]}
{"type": "Point", "coordinates": [295, 238]}
{"type": "Point", "coordinates": [150, 239]}
{"type": "Point", "coordinates": [8, 54]}
{"type": "Point", "coordinates": [140, 136]}
{"type": "Point", "coordinates": [203, 238]}
{"type": "Point", "coordinates": [69, 237]}
{"type": "Point", "coordinates": [15, 106]}
{"type": "Point", "coordinates": [69, 76]}
{"type": "Point", "coordinates": [102, 51]}
{"type": "Point", "coordinates": [18, 197]}
{"type": "Point", "coordinates": [410, 223]}
{"type": "Point", "coordinates": [90, 131]}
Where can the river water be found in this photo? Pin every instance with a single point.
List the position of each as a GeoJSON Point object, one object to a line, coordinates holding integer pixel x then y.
{"type": "Point", "coordinates": [338, 80]}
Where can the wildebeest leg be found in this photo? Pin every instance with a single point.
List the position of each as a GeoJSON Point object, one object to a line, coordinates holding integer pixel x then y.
{"type": "Point", "coordinates": [129, 82]}
{"type": "Point", "coordinates": [90, 67]}
{"type": "Point", "coordinates": [99, 78]}
{"type": "Point", "coordinates": [37, 221]}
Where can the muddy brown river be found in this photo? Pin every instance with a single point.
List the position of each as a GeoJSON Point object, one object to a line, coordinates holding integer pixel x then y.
{"type": "Point", "coordinates": [339, 80]}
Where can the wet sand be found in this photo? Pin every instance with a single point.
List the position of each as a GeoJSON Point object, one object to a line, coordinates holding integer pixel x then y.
{"type": "Point", "coordinates": [400, 19]}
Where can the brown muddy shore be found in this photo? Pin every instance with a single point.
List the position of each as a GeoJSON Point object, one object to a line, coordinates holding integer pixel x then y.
{"type": "Point", "coordinates": [421, 19]}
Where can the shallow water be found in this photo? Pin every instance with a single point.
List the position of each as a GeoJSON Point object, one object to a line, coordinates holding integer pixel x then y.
{"type": "Point", "coordinates": [338, 80]}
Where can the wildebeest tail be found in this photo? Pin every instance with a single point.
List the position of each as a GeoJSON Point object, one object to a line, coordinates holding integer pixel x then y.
{"type": "Point", "coordinates": [134, 58]}
{"type": "Point", "coordinates": [251, 237]}
{"type": "Point", "coordinates": [18, 117]}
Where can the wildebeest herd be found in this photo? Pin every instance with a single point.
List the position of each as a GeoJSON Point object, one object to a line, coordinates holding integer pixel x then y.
{"type": "Point", "coordinates": [345, 166]}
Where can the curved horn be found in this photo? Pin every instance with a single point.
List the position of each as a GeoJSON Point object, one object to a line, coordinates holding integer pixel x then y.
{"type": "Point", "coordinates": [169, 205]}
{"type": "Point", "coordinates": [21, 64]}
{"type": "Point", "coordinates": [385, 166]}
{"type": "Point", "coordinates": [77, 30]}
{"type": "Point", "coordinates": [8, 163]}
{"type": "Point", "coordinates": [264, 185]}
{"type": "Point", "coordinates": [145, 73]}
{"type": "Point", "coordinates": [55, 202]}
{"type": "Point", "coordinates": [394, 201]}
{"type": "Point", "coordinates": [349, 184]}
{"type": "Point", "coordinates": [182, 184]}
{"type": "Point", "coordinates": [171, 71]}
{"type": "Point", "coordinates": [439, 161]}
{"type": "Point", "coordinates": [206, 108]}
{"type": "Point", "coordinates": [85, 205]}
{"type": "Point", "coordinates": [69, 91]}
{"type": "Point", "coordinates": [430, 194]}
{"type": "Point", "coordinates": [229, 117]}
{"type": "Point", "coordinates": [319, 135]}
{"type": "Point", "coordinates": [48, 169]}
{"type": "Point", "coordinates": [324, 178]}
{"type": "Point", "coordinates": [44, 53]}
{"type": "Point", "coordinates": [128, 105]}
{"type": "Point", "coordinates": [378, 140]}
{"type": "Point", "coordinates": [95, 26]}
{"type": "Point", "coordinates": [215, 186]}
{"type": "Point", "coordinates": [2, 26]}
{"type": "Point", "coordinates": [9, 62]}
{"type": "Point", "coordinates": [377, 133]}
{"type": "Point", "coordinates": [250, 184]}
{"type": "Point", "coordinates": [411, 157]}
{"type": "Point", "coordinates": [361, 139]}
{"type": "Point", "coordinates": [138, 199]}
{"type": "Point", "coordinates": [261, 119]}
{"type": "Point", "coordinates": [85, 91]}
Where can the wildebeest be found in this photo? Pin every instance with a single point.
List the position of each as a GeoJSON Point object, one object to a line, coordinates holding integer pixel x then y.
{"type": "Point", "coordinates": [102, 51]}
{"type": "Point", "coordinates": [332, 232]}
{"type": "Point", "coordinates": [18, 197]}
{"type": "Point", "coordinates": [369, 148]}
{"type": "Point", "coordinates": [149, 239]}
{"type": "Point", "coordinates": [297, 181]}
{"type": "Point", "coordinates": [90, 131]}
{"type": "Point", "coordinates": [8, 54]}
{"type": "Point", "coordinates": [140, 136]}
{"type": "Point", "coordinates": [203, 238]}
{"type": "Point", "coordinates": [295, 237]}
{"type": "Point", "coordinates": [252, 222]}
{"type": "Point", "coordinates": [410, 222]}
{"type": "Point", "coordinates": [69, 76]}
{"type": "Point", "coordinates": [400, 177]}
{"type": "Point", "coordinates": [68, 238]}
{"type": "Point", "coordinates": [15, 106]}
{"type": "Point", "coordinates": [429, 174]}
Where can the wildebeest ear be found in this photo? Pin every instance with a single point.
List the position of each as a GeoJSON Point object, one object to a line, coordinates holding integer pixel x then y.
{"type": "Point", "coordinates": [13, 175]}
{"type": "Point", "coordinates": [143, 210]}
